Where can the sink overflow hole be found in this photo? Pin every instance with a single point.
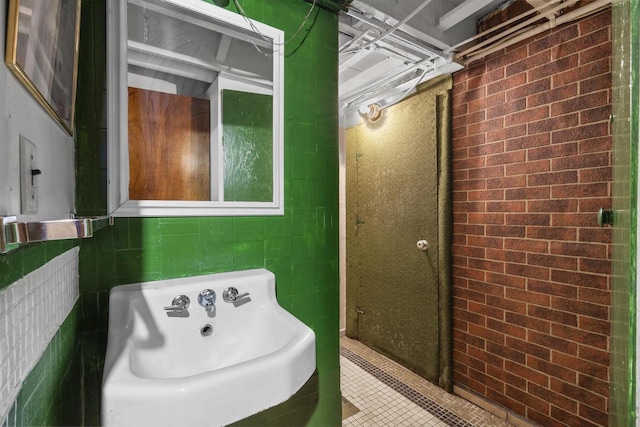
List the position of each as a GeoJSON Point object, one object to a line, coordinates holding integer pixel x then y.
{"type": "Point", "coordinates": [206, 330]}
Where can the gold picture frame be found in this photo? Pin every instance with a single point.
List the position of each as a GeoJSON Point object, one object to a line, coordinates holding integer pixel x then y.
{"type": "Point", "coordinates": [42, 51]}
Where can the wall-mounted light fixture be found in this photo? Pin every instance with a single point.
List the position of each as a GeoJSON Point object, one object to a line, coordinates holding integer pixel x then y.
{"type": "Point", "coordinates": [372, 111]}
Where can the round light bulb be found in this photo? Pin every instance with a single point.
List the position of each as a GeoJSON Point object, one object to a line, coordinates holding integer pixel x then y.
{"type": "Point", "coordinates": [374, 112]}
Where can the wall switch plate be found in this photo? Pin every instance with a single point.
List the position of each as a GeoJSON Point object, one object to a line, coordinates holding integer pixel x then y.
{"type": "Point", "coordinates": [28, 177]}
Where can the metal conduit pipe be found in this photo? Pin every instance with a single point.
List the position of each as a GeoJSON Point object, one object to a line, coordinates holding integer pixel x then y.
{"type": "Point", "coordinates": [357, 103]}
{"type": "Point", "coordinates": [390, 47]}
{"type": "Point", "coordinates": [535, 9]}
{"type": "Point", "coordinates": [383, 80]}
{"type": "Point", "coordinates": [354, 40]}
{"type": "Point", "coordinates": [399, 24]}
{"type": "Point", "coordinates": [400, 39]}
{"type": "Point", "coordinates": [407, 46]}
{"type": "Point", "coordinates": [515, 28]}
{"type": "Point", "coordinates": [568, 17]}
{"type": "Point", "coordinates": [411, 89]}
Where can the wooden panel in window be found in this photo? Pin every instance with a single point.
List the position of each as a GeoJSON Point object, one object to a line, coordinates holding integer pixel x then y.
{"type": "Point", "coordinates": [169, 156]}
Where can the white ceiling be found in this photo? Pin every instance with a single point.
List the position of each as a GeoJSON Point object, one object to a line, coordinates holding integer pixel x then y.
{"type": "Point", "coordinates": [389, 46]}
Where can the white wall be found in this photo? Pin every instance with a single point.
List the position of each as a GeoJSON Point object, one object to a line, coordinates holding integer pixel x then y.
{"type": "Point", "coordinates": [20, 114]}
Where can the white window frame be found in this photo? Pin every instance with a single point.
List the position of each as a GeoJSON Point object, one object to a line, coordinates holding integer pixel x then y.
{"type": "Point", "coordinates": [118, 201]}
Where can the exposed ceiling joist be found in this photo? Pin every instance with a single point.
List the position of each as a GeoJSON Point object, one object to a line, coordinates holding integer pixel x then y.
{"type": "Point", "coordinates": [223, 48]}
{"type": "Point", "coordinates": [380, 61]}
{"type": "Point", "coordinates": [460, 13]}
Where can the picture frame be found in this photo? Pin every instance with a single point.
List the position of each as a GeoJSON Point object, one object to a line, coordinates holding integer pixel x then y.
{"type": "Point", "coordinates": [42, 51]}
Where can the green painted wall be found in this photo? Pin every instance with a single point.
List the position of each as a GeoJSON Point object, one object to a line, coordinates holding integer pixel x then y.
{"type": "Point", "coordinates": [301, 247]}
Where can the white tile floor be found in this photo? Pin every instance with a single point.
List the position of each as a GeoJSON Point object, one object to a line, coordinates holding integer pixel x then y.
{"type": "Point", "coordinates": [387, 394]}
{"type": "Point", "coordinates": [379, 404]}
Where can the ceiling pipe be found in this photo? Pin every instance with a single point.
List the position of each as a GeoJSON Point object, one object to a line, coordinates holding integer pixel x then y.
{"type": "Point", "coordinates": [568, 17]}
{"type": "Point", "coordinates": [404, 38]}
{"type": "Point", "coordinates": [515, 28]}
{"type": "Point", "coordinates": [354, 40]}
{"type": "Point", "coordinates": [371, 88]}
{"type": "Point", "coordinates": [378, 98]}
{"type": "Point", "coordinates": [398, 25]}
{"type": "Point", "coordinates": [536, 8]}
{"type": "Point", "coordinates": [392, 47]}
{"type": "Point", "coordinates": [413, 85]}
{"type": "Point", "coordinates": [398, 38]}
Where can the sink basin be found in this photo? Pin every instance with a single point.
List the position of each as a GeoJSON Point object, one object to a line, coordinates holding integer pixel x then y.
{"type": "Point", "coordinates": [201, 367]}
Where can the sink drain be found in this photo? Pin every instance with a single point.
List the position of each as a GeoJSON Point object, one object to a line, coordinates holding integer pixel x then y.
{"type": "Point", "coordinates": [206, 330]}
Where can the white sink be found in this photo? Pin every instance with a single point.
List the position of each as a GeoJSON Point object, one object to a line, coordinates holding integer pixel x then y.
{"type": "Point", "coordinates": [162, 369]}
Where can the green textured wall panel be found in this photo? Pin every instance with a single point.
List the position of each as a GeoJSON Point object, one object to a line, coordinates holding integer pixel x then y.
{"type": "Point", "coordinates": [398, 192]}
{"type": "Point", "coordinates": [626, 106]}
{"type": "Point", "coordinates": [301, 247]}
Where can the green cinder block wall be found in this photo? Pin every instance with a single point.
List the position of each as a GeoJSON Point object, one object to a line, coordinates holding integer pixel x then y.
{"type": "Point", "coordinates": [301, 247]}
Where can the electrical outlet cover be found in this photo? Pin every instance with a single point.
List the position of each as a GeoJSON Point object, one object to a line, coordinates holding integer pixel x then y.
{"type": "Point", "coordinates": [28, 181]}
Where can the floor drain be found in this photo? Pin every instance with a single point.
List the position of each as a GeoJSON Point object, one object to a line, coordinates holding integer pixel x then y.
{"type": "Point", "coordinates": [206, 330]}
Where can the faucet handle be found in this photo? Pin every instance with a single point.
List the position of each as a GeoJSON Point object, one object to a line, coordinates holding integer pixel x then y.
{"type": "Point", "coordinates": [179, 304]}
{"type": "Point", "coordinates": [231, 294]}
{"type": "Point", "coordinates": [207, 298]}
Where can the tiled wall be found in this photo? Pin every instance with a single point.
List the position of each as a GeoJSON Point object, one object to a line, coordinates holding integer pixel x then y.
{"type": "Point", "coordinates": [37, 344]}
{"type": "Point", "coordinates": [301, 247]}
{"type": "Point", "coordinates": [532, 166]}
{"type": "Point", "coordinates": [624, 399]}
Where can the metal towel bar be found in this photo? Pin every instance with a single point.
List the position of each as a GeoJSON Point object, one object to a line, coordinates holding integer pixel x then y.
{"type": "Point", "coordinates": [14, 233]}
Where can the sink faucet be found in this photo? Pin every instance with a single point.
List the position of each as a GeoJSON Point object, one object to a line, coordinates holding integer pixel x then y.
{"type": "Point", "coordinates": [207, 298]}
{"type": "Point", "coordinates": [231, 295]}
{"type": "Point", "coordinates": [179, 304]}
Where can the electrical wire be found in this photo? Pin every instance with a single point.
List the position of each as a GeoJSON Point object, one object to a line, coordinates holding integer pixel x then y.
{"type": "Point", "coordinates": [313, 23]}
{"type": "Point", "coordinates": [255, 29]}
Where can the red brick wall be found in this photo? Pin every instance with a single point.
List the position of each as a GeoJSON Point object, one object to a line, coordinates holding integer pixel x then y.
{"type": "Point", "coordinates": [532, 166]}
